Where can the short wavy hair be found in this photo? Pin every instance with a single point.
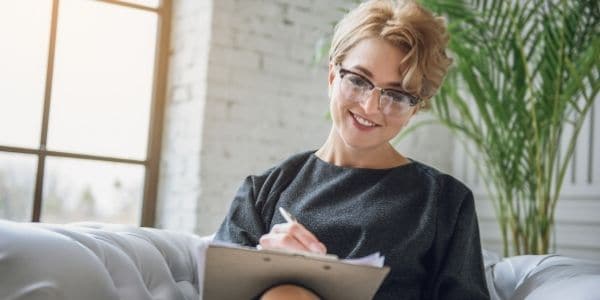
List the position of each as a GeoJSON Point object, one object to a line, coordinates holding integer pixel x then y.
{"type": "Point", "coordinates": [406, 25]}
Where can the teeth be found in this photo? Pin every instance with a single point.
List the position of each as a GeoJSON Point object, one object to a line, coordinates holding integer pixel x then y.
{"type": "Point", "coordinates": [364, 121]}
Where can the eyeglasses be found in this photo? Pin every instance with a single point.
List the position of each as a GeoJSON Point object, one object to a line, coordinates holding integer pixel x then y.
{"type": "Point", "coordinates": [355, 87]}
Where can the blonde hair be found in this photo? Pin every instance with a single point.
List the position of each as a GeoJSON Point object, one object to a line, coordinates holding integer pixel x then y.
{"type": "Point", "coordinates": [410, 27]}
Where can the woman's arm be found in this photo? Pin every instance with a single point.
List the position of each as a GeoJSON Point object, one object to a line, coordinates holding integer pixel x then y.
{"type": "Point", "coordinates": [243, 224]}
{"type": "Point", "coordinates": [460, 273]}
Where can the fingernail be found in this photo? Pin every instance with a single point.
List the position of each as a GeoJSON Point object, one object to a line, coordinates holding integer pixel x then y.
{"type": "Point", "coordinates": [323, 248]}
{"type": "Point", "coordinates": [315, 247]}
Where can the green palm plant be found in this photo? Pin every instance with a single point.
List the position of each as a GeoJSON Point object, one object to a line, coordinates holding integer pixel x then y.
{"type": "Point", "coordinates": [524, 78]}
{"type": "Point", "coordinates": [525, 71]}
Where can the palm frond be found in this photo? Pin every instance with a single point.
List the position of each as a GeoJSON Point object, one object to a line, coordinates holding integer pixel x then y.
{"type": "Point", "coordinates": [522, 70]}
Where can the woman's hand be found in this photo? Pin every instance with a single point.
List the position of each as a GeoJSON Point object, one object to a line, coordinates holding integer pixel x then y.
{"type": "Point", "coordinates": [292, 236]}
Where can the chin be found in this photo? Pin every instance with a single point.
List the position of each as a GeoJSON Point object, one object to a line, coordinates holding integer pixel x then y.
{"type": "Point", "coordinates": [361, 143]}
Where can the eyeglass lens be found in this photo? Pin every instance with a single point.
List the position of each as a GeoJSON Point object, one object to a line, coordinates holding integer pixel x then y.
{"type": "Point", "coordinates": [355, 88]}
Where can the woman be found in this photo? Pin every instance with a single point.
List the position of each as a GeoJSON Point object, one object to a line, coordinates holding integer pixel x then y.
{"type": "Point", "coordinates": [356, 194]}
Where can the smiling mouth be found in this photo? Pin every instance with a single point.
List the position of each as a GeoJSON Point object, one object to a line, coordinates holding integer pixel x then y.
{"type": "Point", "coordinates": [362, 121]}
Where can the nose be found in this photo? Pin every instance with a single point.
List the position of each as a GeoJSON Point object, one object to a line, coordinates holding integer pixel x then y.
{"type": "Point", "coordinates": [371, 103]}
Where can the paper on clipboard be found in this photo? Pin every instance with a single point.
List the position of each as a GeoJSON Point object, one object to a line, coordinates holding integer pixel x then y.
{"type": "Point", "coordinates": [233, 272]}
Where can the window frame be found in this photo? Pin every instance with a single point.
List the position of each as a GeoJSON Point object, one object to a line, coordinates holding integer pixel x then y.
{"type": "Point", "coordinates": [153, 150]}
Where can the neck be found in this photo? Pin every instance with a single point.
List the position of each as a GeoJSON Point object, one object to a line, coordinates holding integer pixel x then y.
{"type": "Point", "coordinates": [336, 152]}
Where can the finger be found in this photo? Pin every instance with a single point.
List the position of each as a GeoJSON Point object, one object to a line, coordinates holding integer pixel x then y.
{"type": "Point", "coordinates": [303, 235]}
{"type": "Point", "coordinates": [280, 228]}
{"type": "Point", "coordinates": [281, 241]}
{"type": "Point", "coordinates": [294, 228]}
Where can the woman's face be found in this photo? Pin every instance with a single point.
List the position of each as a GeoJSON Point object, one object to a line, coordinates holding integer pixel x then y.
{"type": "Point", "coordinates": [366, 125]}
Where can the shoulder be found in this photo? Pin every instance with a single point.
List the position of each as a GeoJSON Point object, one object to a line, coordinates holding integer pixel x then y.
{"type": "Point", "coordinates": [446, 186]}
{"type": "Point", "coordinates": [291, 164]}
{"type": "Point", "coordinates": [295, 161]}
{"type": "Point", "coordinates": [282, 172]}
{"type": "Point", "coordinates": [439, 176]}
{"type": "Point", "coordinates": [452, 199]}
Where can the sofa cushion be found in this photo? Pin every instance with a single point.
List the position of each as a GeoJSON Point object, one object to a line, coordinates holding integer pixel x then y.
{"type": "Point", "coordinates": [96, 261]}
{"type": "Point", "coordinates": [542, 277]}
{"type": "Point", "coordinates": [559, 277]}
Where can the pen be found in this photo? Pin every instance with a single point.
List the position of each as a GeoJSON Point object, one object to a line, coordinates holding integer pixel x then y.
{"type": "Point", "coordinates": [287, 216]}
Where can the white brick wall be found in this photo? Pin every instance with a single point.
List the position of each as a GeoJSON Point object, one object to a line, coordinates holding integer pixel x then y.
{"type": "Point", "coordinates": [180, 186]}
{"type": "Point", "coordinates": [244, 97]}
{"type": "Point", "coordinates": [266, 100]}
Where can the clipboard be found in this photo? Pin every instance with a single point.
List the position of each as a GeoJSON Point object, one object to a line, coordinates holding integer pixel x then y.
{"type": "Point", "coordinates": [244, 273]}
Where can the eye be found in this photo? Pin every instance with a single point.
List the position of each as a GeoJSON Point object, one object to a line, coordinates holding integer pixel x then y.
{"type": "Point", "coordinates": [358, 81]}
{"type": "Point", "coordinates": [401, 97]}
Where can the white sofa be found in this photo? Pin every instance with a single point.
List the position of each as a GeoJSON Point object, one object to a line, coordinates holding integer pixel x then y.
{"type": "Point", "coordinates": [96, 261]}
{"type": "Point", "coordinates": [101, 261]}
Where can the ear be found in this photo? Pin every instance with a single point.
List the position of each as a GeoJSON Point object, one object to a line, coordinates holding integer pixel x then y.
{"type": "Point", "coordinates": [412, 114]}
{"type": "Point", "coordinates": [330, 78]}
{"type": "Point", "coordinates": [416, 110]}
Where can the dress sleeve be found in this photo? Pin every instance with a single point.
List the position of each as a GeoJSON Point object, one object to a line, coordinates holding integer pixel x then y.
{"type": "Point", "coordinates": [461, 273]}
{"type": "Point", "coordinates": [243, 223]}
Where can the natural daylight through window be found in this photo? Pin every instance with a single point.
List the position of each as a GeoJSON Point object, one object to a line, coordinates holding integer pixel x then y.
{"type": "Point", "coordinates": [81, 102]}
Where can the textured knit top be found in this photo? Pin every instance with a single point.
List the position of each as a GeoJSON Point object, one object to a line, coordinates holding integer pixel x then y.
{"type": "Point", "coordinates": [421, 220]}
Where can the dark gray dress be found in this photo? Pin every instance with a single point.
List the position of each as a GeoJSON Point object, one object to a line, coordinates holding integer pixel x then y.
{"type": "Point", "coordinates": [421, 220]}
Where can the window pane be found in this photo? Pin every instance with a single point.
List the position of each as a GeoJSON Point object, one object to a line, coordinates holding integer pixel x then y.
{"type": "Point", "coordinates": [24, 36]}
{"type": "Point", "coordinates": [103, 75]}
{"type": "Point", "coordinates": [17, 185]}
{"type": "Point", "coordinates": [150, 3]}
{"type": "Point", "coordinates": [83, 190]}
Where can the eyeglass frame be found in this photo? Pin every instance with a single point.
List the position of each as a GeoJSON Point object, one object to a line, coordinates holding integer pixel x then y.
{"type": "Point", "coordinates": [413, 100]}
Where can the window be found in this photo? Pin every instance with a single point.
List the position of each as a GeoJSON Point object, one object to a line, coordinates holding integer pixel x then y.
{"type": "Point", "coordinates": [82, 92]}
